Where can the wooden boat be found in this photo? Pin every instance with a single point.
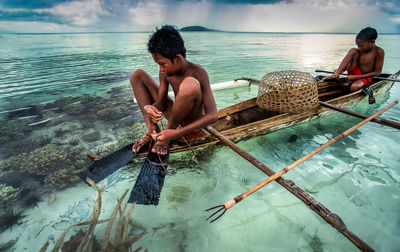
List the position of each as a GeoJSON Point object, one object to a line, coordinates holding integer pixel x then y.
{"type": "Point", "coordinates": [246, 119]}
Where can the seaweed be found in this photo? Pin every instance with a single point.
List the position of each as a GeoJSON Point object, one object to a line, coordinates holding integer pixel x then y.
{"type": "Point", "coordinates": [85, 240]}
{"type": "Point", "coordinates": [75, 240]}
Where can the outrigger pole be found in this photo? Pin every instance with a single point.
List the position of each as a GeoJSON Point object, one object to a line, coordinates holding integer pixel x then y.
{"type": "Point", "coordinates": [376, 77]}
{"type": "Point", "coordinates": [332, 218]}
{"type": "Point", "coordinates": [383, 121]}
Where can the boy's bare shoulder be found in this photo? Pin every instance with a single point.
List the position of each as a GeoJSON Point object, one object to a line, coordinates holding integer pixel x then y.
{"type": "Point", "coordinates": [198, 69]}
{"type": "Point", "coordinates": [353, 51]}
{"type": "Point", "coordinates": [379, 50]}
{"type": "Point", "coordinates": [198, 72]}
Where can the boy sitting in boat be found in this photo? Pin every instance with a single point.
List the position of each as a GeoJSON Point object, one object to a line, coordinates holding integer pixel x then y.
{"type": "Point", "coordinates": [363, 62]}
{"type": "Point", "coordinates": [194, 105]}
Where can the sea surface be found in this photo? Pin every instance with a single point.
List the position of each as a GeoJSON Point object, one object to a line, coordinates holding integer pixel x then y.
{"type": "Point", "coordinates": [64, 95]}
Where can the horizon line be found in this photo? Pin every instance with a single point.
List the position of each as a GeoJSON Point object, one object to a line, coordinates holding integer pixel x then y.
{"type": "Point", "coordinates": [211, 31]}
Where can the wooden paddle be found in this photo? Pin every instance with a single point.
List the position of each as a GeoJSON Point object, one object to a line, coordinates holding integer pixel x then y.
{"type": "Point", "coordinates": [376, 77]}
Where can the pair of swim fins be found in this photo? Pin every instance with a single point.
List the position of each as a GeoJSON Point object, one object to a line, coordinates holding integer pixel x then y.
{"type": "Point", "coordinates": [148, 186]}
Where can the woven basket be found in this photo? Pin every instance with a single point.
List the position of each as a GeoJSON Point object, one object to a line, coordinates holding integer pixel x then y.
{"type": "Point", "coordinates": [288, 91]}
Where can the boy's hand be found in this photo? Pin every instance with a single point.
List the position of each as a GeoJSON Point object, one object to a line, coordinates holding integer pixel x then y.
{"type": "Point", "coordinates": [164, 135]}
{"type": "Point", "coordinates": [333, 76]}
{"type": "Point", "coordinates": [154, 114]}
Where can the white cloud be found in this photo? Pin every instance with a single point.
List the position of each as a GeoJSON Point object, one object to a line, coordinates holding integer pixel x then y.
{"type": "Point", "coordinates": [147, 14]}
{"type": "Point", "coordinates": [34, 26]}
{"type": "Point", "coordinates": [78, 13]}
{"type": "Point", "coordinates": [296, 16]}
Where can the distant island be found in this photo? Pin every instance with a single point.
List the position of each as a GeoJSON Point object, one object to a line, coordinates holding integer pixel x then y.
{"type": "Point", "coordinates": [195, 28]}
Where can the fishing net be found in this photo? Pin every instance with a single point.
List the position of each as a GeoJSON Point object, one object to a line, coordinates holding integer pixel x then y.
{"type": "Point", "coordinates": [288, 91]}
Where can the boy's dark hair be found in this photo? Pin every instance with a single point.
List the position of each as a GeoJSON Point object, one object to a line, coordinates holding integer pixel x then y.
{"type": "Point", "coordinates": [166, 41]}
{"type": "Point", "coordinates": [368, 34]}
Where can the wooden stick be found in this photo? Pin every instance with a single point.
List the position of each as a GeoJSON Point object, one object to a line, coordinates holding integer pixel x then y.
{"type": "Point", "coordinates": [376, 77]}
{"type": "Point", "coordinates": [333, 219]}
{"type": "Point", "coordinates": [250, 80]}
{"type": "Point", "coordinates": [356, 241]}
{"type": "Point", "coordinates": [386, 122]}
{"type": "Point", "coordinates": [312, 153]}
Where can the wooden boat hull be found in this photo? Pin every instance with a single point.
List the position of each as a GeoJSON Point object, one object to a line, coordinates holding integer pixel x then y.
{"type": "Point", "coordinates": [245, 119]}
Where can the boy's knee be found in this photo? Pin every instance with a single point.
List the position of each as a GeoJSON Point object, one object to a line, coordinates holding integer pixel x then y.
{"type": "Point", "coordinates": [137, 75]}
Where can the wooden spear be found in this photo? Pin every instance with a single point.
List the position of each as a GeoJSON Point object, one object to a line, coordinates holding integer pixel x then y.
{"type": "Point", "coordinates": [317, 207]}
{"type": "Point", "coordinates": [237, 199]}
{"type": "Point", "coordinates": [332, 218]}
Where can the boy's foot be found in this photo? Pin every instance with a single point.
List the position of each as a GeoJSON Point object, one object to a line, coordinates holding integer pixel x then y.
{"type": "Point", "coordinates": [160, 147]}
{"type": "Point", "coordinates": [94, 157]}
{"type": "Point", "coordinates": [146, 138]}
{"type": "Point", "coordinates": [368, 91]}
{"type": "Point", "coordinates": [371, 99]}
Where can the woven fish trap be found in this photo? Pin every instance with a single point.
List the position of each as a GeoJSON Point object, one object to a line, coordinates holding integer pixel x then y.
{"type": "Point", "coordinates": [288, 92]}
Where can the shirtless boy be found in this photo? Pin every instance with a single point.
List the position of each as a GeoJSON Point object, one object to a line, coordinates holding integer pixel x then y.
{"type": "Point", "coordinates": [194, 105]}
{"type": "Point", "coordinates": [363, 62]}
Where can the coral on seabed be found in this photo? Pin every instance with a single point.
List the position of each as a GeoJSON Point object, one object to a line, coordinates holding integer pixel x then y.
{"type": "Point", "coordinates": [51, 158]}
{"type": "Point", "coordinates": [112, 112]}
{"type": "Point", "coordinates": [13, 129]}
{"type": "Point", "coordinates": [91, 137]}
{"type": "Point", "coordinates": [92, 107]}
{"type": "Point", "coordinates": [74, 109]}
{"type": "Point", "coordinates": [53, 161]}
{"type": "Point", "coordinates": [61, 178]}
{"type": "Point", "coordinates": [8, 196]}
{"type": "Point", "coordinates": [130, 135]}
{"type": "Point", "coordinates": [46, 159]}
{"type": "Point", "coordinates": [15, 163]}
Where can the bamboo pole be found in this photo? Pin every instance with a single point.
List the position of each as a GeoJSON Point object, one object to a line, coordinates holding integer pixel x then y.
{"type": "Point", "coordinates": [375, 77]}
{"type": "Point", "coordinates": [312, 153]}
{"type": "Point", "coordinates": [386, 122]}
{"type": "Point", "coordinates": [332, 219]}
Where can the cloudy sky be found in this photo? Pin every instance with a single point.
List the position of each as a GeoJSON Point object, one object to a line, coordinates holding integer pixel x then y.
{"type": "Point", "coordinates": [230, 15]}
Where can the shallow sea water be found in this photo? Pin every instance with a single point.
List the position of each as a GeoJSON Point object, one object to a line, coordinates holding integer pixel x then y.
{"type": "Point", "coordinates": [357, 177]}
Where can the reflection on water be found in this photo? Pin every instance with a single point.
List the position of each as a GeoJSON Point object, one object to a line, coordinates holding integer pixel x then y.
{"type": "Point", "coordinates": [62, 96]}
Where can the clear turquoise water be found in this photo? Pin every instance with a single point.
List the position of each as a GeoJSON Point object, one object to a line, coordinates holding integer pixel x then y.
{"type": "Point", "coordinates": [358, 177]}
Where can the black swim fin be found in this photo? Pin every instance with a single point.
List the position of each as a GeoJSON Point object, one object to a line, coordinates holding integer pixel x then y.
{"type": "Point", "coordinates": [149, 183]}
{"type": "Point", "coordinates": [108, 164]}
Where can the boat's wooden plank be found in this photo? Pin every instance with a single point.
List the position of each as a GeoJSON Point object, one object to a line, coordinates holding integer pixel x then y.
{"type": "Point", "coordinates": [240, 127]}
{"type": "Point", "coordinates": [329, 93]}
{"type": "Point", "coordinates": [237, 107]}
